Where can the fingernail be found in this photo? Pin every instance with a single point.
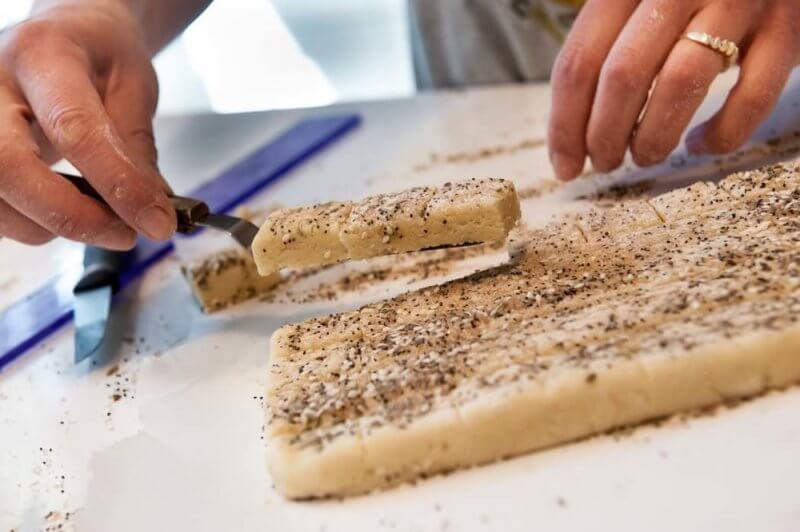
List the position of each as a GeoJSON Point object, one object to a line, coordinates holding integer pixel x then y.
{"type": "Point", "coordinates": [118, 236]}
{"type": "Point", "coordinates": [565, 167]}
{"type": "Point", "coordinates": [605, 166]}
{"type": "Point", "coordinates": [156, 222]}
{"type": "Point", "coordinates": [695, 141]}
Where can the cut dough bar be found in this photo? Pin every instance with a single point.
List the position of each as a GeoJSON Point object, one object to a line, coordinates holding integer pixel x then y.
{"type": "Point", "coordinates": [226, 278]}
{"type": "Point", "coordinates": [466, 212]}
{"type": "Point", "coordinates": [692, 300]}
{"type": "Point", "coordinates": [229, 277]}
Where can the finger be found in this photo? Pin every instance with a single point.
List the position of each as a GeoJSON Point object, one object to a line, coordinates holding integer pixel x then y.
{"type": "Point", "coordinates": [20, 228]}
{"type": "Point", "coordinates": [55, 204]}
{"type": "Point", "coordinates": [574, 80]}
{"type": "Point", "coordinates": [628, 74]}
{"type": "Point", "coordinates": [130, 99]}
{"type": "Point", "coordinates": [685, 78]}
{"type": "Point", "coordinates": [35, 192]}
{"type": "Point", "coordinates": [47, 152]}
{"type": "Point", "coordinates": [765, 69]}
{"type": "Point", "coordinates": [66, 104]}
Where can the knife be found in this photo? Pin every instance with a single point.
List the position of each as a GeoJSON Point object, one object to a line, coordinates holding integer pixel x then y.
{"type": "Point", "coordinates": [102, 267]}
{"type": "Point", "coordinates": [192, 215]}
{"type": "Point", "coordinates": [100, 280]}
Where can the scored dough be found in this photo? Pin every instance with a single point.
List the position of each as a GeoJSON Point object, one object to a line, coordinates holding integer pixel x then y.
{"type": "Point", "coordinates": [388, 223]}
{"type": "Point", "coordinates": [467, 212]}
{"type": "Point", "coordinates": [696, 303]}
{"type": "Point", "coordinates": [689, 202]}
{"type": "Point", "coordinates": [471, 211]}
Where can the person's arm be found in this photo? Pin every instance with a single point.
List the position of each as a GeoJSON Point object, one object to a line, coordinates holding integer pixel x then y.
{"type": "Point", "coordinates": [160, 20]}
{"type": "Point", "coordinates": [76, 82]}
{"type": "Point", "coordinates": [619, 49]}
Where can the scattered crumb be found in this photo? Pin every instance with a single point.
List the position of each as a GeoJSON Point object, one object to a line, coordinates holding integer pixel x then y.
{"type": "Point", "coordinates": [539, 189]}
{"type": "Point", "coordinates": [55, 521]}
{"type": "Point", "coordinates": [436, 159]}
{"type": "Point", "coordinates": [617, 193]}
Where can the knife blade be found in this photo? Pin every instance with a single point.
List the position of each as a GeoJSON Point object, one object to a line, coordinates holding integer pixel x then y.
{"type": "Point", "coordinates": [99, 281]}
{"type": "Point", "coordinates": [192, 214]}
{"type": "Point", "coordinates": [92, 308]}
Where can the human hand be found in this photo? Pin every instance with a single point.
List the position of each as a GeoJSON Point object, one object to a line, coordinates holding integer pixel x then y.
{"type": "Point", "coordinates": [618, 48]}
{"type": "Point", "coordinates": [76, 82]}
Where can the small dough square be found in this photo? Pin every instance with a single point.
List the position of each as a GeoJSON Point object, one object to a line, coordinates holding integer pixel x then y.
{"type": "Point", "coordinates": [387, 224]}
{"type": "Point", "coordinates": [470, 211]}
{"type": "Point", "coordinates": [301, 236]}
{"type": "Point", "coordinates": [225, 279]}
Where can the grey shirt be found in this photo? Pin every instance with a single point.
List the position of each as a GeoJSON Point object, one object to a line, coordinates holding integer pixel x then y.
{"type": "Point", "coordinates": [475, 42]}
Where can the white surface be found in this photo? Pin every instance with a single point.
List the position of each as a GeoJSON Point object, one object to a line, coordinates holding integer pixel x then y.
{"type": "Point", "coordinates": [248, 55]}
{"type": "Point", "coordinates": [183, 449]}
{"type": "Point", "coordinates": [247, 59]}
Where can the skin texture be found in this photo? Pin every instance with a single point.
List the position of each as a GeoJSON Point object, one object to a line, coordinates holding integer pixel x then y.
{"type": "Point", "coordinates": [619, 49]}
{"type": "Point", "coordinates": [76, 82]}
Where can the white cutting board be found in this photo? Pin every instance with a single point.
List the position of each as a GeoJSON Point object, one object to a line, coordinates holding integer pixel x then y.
{"type": "Point", "coordinates": [181, 449]}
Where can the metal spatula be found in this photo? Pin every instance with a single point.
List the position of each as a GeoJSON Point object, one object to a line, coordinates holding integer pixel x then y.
{"type": "Point", "coordinates": [192, 214]}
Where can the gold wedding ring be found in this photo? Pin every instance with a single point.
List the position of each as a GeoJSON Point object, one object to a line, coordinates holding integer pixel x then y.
{"type": "Point", "coordinates": [728, 49]}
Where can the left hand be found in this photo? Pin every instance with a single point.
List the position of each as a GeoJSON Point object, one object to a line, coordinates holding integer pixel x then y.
{"type": "Point", "coordinates": [617, 49]}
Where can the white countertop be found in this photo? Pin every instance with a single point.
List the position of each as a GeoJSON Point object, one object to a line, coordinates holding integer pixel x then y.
{"type": "Point", "coordinates": [182, 448]}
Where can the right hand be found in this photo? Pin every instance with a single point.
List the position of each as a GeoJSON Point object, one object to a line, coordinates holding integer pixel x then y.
{"type": "Point", "coordinates": [626, 79]}
{"type": "Point", "coordinates": [76, 82]}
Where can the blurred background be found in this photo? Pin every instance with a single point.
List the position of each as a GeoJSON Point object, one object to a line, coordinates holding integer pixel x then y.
{"type": "Point", "coordinates": [250, 55]}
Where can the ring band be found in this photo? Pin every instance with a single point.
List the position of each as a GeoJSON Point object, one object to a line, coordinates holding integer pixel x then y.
{"type": "Point", "coordinates": [728, 49]}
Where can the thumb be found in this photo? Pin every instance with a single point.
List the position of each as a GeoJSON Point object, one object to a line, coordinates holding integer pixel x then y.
{"type": "Point", "coordinates": [60, 87]}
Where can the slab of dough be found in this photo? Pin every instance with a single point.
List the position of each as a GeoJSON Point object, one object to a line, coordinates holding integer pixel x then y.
{"type": "Point", "coordinates": [471, 211]}
{"type": "Point", "coordinates": [681, 302]}
{"type": "Point", "coordinates": [226, 278]}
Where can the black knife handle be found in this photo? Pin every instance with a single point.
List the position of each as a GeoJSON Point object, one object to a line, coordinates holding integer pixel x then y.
{"type": "Point", "coordinates": [188, 210]}
{"type": "Point", "coordinates": [84, 187]}
{"type": "Point", "coordinates": [102, 267]}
